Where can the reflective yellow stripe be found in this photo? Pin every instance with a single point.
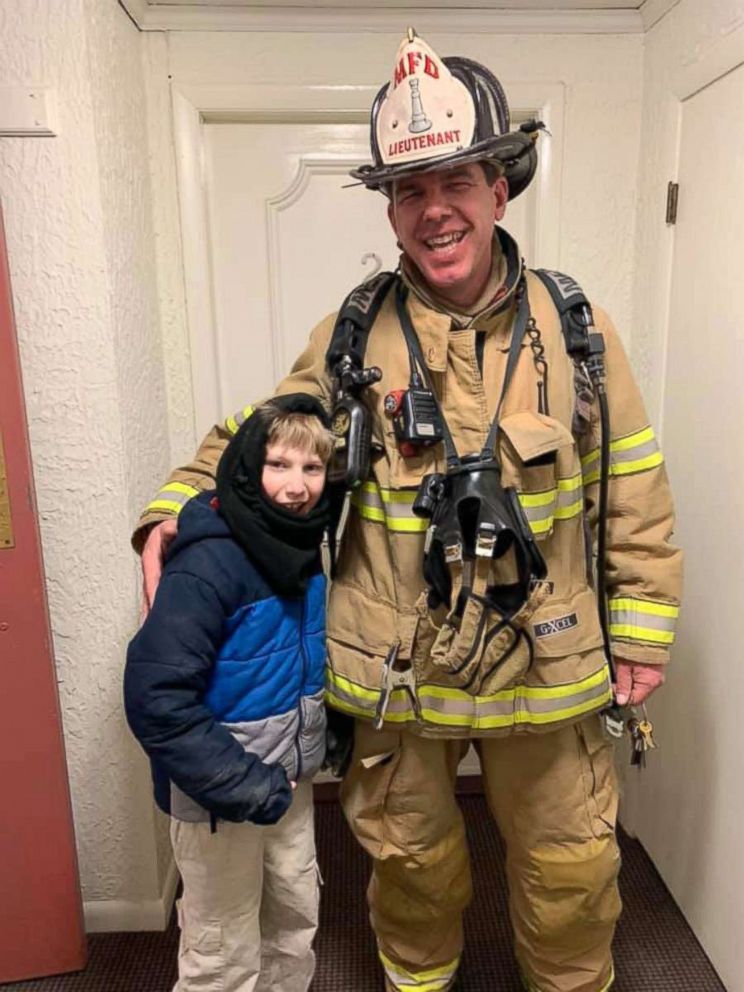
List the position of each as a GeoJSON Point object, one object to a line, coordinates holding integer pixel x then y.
{"type": "Point", "coordinates": [525, 705]}
{"type": "Point", "coordinates": [172, 498]}
{"type": "Point", "coordinates": [410, 525]}
{"type": "Point", "coordinates": [369, 512]}
{"type": "Point", "coordinates": [642, 442]}
{"type": "Point", "coordinates": [560, 498]}
{"type": "Point", "coordinates": [636, 633]}
{"type": "Point", "coordinates": [605, 988]}
{"type": "Point", "coordinates": [643, 619]}
{"type": "Point", "coordinates": [633, 440]}
{"type": "Point", "coordinates": [180, 487]}
{"type": "Point", "coordinates": [538, 499]}
{"type": "Point", "coordinates": [644, 606]}
{"type": "Point", "coordinates": [572, 510]}
{"type": "Point", "coordinates": [640, 465]}
{"type": "Point", "coordinates": [406, 496]}
{"type": "Point", "coordinates": [571, 484]}
{"type": "Point", "coordinates": [233, 423]}
{"type": "Point", "coordinates": [432, 980]}
{"type": "Point", "coordinates": [164, 504]}
{"type": "Point", "coordinates": [394, 507]}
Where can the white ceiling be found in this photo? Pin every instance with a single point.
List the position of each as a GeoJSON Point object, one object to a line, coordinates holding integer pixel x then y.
{"type": "Point", "coordinates": [513, 5]}
{"type": "Point", "coordinates": [515, 16]}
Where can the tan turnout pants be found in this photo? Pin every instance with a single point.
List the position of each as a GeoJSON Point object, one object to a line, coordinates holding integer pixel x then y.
{"type": "Point", "coordinates": [554, 798]}
{"type": "Point", "coordinates": [249, 909]}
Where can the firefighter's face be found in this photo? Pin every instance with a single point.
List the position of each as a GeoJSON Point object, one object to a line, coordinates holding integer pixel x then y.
{"type": "Point", "coordinates": [444, 221]}
{"type": "Point", "coordinates": [293, 478]}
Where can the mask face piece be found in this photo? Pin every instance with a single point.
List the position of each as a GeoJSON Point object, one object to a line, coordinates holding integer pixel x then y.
{"type": "Point", "coordinates": [484, 569]}
{"type": "Point", "coordinates": [475, 518]}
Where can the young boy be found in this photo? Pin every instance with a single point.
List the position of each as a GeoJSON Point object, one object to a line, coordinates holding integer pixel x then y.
{"type": "Point", "coordinates": [224, 690]}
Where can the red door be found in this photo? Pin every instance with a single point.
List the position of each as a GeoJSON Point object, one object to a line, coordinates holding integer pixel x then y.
{"type": "Point", "coordinates": [41, 924]}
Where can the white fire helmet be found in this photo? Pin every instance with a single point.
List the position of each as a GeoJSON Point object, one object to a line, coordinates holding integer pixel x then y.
{"type": "Point", "coordinates": [436, 113]}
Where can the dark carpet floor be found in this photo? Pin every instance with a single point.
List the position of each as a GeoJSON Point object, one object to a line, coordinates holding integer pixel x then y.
{"type": "Point", "coordinates": [655, 950]}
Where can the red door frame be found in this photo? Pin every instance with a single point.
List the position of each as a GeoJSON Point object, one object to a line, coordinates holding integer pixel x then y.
{"type": "Point", "coordinates": [42, 929]}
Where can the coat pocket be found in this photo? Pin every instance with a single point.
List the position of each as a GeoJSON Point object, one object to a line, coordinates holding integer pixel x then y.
{"type": "Point", "coordinates": [596, 757]}
{"type": "Point", "coordinates": [535, 452]}
{"type": "Point", "coordinates": [481, 654]}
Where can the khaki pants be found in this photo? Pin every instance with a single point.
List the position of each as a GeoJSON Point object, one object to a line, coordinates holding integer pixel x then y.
{"type": "Point", "coordinates": [249, 909]}
{"type": "Point", "coordinates": [554, 798]}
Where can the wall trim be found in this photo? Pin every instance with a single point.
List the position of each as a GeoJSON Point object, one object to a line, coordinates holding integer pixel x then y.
{"type": "Point", "coordinates": [652, 11]}
{"type": "Point", "coordinates": [725, 54]}
{"type": "Point", "coordinates": [113, 915]}
{"type": "Point", "coordinates": [428, 20]}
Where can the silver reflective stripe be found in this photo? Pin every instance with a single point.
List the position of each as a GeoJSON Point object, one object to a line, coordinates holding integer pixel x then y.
{"type": "Point", "coordinates": [445, 706]}
{"type": "Point", "coordinates": [643, 620]}
{"type": "Point", "coordinates": [637, 452]}
{"type": "Point", "coordinates": [233, 423]}
{"type": "Point", "coordinates": [392, 507]}
{"type": "Point", "coordinates": [429, 980]}
{"type": "Point", "coordinates": [539, 508]}
{"type": "Point", "coordinates": [172, 497]}
{"type": "Point", "coordinates": [562, 503]}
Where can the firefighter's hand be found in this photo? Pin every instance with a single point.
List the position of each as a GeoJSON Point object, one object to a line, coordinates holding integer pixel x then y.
{"type": "Point", "coordinates": [158, 539]}
{"type": "Point", "coordinates": [636, 682]}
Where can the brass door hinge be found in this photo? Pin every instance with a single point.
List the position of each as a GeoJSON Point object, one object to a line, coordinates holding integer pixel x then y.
{"type": "Point", "coordinates": [671, 205]}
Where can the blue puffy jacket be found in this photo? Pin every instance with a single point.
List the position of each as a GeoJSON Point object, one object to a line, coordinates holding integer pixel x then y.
{"type": "Point", "coordinates": [224, 681]}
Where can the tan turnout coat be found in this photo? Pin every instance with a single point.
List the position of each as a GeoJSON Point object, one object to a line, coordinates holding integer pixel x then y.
{"type": "Point", "coordinates": [377, 596]}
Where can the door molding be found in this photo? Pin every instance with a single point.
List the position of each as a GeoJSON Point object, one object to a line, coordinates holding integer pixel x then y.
{"type": "Point", "coordinates": [196, 105]}
{"type": "Point", "coordinates": [722, 57]}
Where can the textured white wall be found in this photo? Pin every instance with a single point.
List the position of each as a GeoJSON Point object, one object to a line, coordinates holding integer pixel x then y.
{"type": "Point", "coordinates": [81, 246]}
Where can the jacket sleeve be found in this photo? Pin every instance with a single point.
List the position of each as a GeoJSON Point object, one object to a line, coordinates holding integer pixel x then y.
{"type": "Point", "coordinates": [167, 672]}
{"type": "Point", "coordinates": [308, 375]}
{"type": "Point", "coordinates": [643, 567]}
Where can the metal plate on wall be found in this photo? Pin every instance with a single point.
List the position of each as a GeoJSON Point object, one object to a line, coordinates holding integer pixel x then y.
{"type": "Point", "coordinates": [6, 523]}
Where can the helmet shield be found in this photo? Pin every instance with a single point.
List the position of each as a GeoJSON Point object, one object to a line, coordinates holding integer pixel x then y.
{"type": "Point", "coordinates": [436, 113]}
{"type": "Point", "coordinates": [426, 111]}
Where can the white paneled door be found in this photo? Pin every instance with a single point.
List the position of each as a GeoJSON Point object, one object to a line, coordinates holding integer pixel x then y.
{"type": "Point", "coordinates": [288, 241]}
{"type": "Point", "coordinates": [691, 810]}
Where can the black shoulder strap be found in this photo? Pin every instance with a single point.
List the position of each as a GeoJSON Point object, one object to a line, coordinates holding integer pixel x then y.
{"type": "Point", "coordinates": [577, 323]}
{"type": "Point", "coordinates": [355, 319]}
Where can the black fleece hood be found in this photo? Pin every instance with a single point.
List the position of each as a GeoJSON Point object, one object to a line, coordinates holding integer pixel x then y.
{"type": "Point", "coordinates": [283, 546]}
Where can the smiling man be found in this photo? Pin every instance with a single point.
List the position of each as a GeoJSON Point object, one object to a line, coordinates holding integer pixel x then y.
{"type": "Point", "coordinates": [465, 605]}
{"type": "Point", "coordinates": [445, 222]}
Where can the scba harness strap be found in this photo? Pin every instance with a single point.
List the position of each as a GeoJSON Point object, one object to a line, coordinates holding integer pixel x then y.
{"type": "Point", "coordinates": [474, 521]}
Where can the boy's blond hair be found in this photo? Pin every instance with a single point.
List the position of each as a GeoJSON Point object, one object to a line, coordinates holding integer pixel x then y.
{"type": "Point", "coordinates": [297, 430]}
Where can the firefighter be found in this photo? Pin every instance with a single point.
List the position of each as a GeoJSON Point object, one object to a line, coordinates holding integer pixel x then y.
{"type": "Point", "coordinates": [476, 618]}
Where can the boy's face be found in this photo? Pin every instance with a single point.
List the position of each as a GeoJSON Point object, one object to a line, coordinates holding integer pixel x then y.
{"type": "Point", "coordinates": [293, 478]}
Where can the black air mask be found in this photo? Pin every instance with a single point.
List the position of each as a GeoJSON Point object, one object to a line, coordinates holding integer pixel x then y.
{"type": "Point", "coordinates": [481, 563]}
